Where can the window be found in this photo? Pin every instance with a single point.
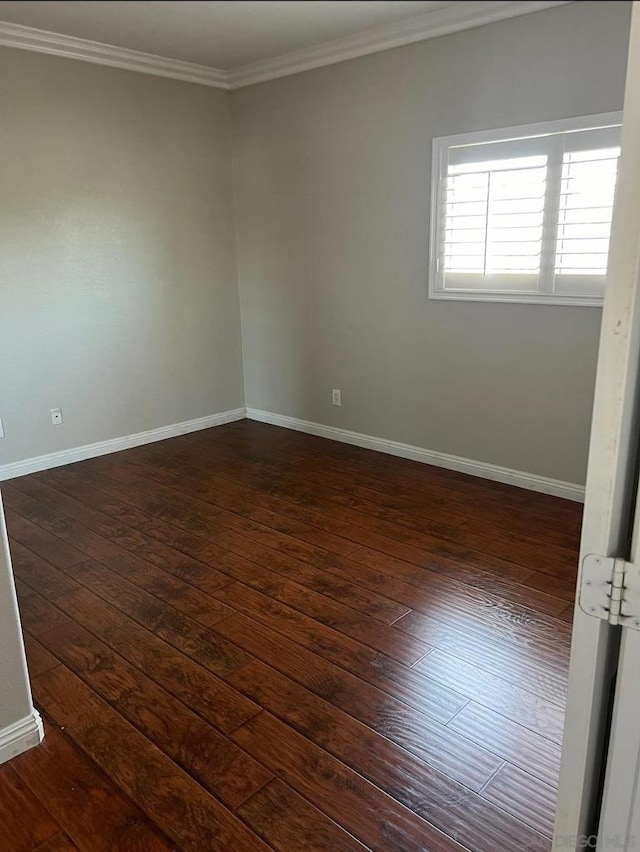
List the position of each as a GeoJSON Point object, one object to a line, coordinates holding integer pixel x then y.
{"type": "Point", "coordinates": [524, 214]}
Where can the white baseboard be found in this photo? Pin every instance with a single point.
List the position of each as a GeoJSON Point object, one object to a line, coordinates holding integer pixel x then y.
{"type": "Point", "coordinates": [531, 481]}
{"type": "Point", "coordinates": [20, 736]}
{"type": "Point", "coordinates": [102, 448]}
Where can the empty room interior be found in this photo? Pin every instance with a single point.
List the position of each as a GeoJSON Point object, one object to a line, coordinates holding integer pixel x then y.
{"type": "Point", "coordinates": [300, 315]}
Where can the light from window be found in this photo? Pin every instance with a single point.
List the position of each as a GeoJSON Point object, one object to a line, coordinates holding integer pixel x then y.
{"type": "Point", "coordinates": [525, 214]}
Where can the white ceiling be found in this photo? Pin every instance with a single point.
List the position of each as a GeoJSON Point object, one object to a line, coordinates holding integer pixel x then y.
{"type": "Point", "coordinates": [223, 35]}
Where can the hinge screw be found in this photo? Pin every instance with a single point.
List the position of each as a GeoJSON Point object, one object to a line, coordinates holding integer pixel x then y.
{"type": "Point", "coordinates": [588, 583]}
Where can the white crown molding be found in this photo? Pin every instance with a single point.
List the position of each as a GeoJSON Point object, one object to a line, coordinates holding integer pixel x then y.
{"type": "Point", "coordinates": [43, 41]}
{"type": "Point", "coordinates": [114, 445]}
{"type": "Point", "coordinates": [438, 22]}
{"type": "Point", "coordinates": [484, 470]}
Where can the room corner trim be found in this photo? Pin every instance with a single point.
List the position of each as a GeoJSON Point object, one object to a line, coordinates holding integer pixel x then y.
{"type": "Point", "coordinates": [113, 445]}
{"type": "Point", "coordinates": [70, 47]}
{"type": "Point", "coordinates": [484, 470]}
{"type": "Point", "coordinates": [438, 22]}
{"type": "Point", "coordinates": [20, 736]}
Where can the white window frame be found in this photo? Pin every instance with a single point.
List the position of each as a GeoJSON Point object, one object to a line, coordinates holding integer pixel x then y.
{"type": "Point", "coordinates": [440, 146]}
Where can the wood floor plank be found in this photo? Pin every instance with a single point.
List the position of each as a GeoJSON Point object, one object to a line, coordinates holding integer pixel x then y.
{"type": "Point", "coordinates": [150, 611]}
{"type": "Point", "coordinates": [313, 603]}
{"type": "Point", "coordinates": [422, 501]}
{"type": "Point", "coordinates": [35, 571]}
{"type": "Point", "coordinates": [371, 815]}
{"type": "Point", "coordinates": [494, 577]}
{"type": "Point", "coordinates": [143, 573]}
{"type": "Point", "coordinates": [524, 796]}
{"type": "Point", "coordinates": [286, 822]}
{"type": "Point", "coordinates": [561, 586]}
{"type": "Point", "coordinates": [513, 742]}
{"type": "Point", "coordinates": [384, 470]}
{"type": "Point", "coordinates": [435, 519]}
{"type": "Point", "coordinates": [117, 500]}
{"type": "Point", "coordinates": [379, 697]}
{"type": "Point", "coordinates": [525, 617]}
{"type": "Point", "coordinates": [329, 727]}
{"type": "Point", "coordinates": [350, 515]}
{"type": "Point", "coordinates": [38, 658]}
{"type": "Point", "coordinates": [260, 470]}
{"type": "Point", "coordinates": [196, 746]}
{"type": "Point", "coordinates": [216, 521]}
{"type": "Point", "coordinates": [169, 796]}
{"type": "Point", "coordinates": [546, 558]}
{"type": "Point", "coordinates": [202, 645]}
{"type": "Point", "coordinates": [372, 758]}
{"type": "Point", "coordinates": [451, 492]}
{"type": "Point", "coordinates": [251, 488]}
{"type": "Point", "coordinates": [401, 483]}
{"type": "Point", "coordinates": [194, 685]}
{"type": "Point", "coordinates": [139, 476]}
{"type": "Point", "coordinates": [518, 526]}
{"type": "Point", "coordinates": [59, 843]}
{"type": "Point", "coordinates": [412, 494]}
{"type": "Point", "coordinates": [134, 475]}
{"type": "Point", "coordinates": [262, 441]}
{"type": "Point", "coordinates": [80, 511]}
{"type": "Point", "coordinates": [267, 511]}
{"type": "Point", "coordinates": [452, 601]}
{"type": "Point", "coordinates": [255, 638]}
{"type": "Point", "coordinates": [37, 539]}
{"type": "Point", "coordinates": [382, 638]}
{"type": "Point", "coordinates": [329, 643]}
{"type": "Point", "coordinates": [88, 807]}
{"type": "Point", "coordinates": [490, 690]}
{"type": "Point", "coordinates": [24, 822]}
{"type": "Point", "coordinates": [567, 613]}
{"type": "Point", "coordinates": [36, 613]}
{"type": "Point", "coordinates": [540, 667]}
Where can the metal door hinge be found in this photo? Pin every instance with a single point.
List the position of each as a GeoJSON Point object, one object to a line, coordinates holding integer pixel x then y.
{"type": "Point", "coordinates": [610, 590]}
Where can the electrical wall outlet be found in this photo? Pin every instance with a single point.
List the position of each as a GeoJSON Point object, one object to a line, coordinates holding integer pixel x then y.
{"type": "Point", "coordinates": [336, 397]}
{"type": "Point", "coordinates": [1, 428]}
{"type": "Point", "coordinates": [56, 416]}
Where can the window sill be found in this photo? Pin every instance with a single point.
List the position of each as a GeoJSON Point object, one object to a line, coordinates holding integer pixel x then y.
{"type": "Point", "coordinates": [517, 298]}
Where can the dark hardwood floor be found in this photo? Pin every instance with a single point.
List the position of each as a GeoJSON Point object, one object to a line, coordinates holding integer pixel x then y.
{"type": "Point", "coordinates": [248, 638]}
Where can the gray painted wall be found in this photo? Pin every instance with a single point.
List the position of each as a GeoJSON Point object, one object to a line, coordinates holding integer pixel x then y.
{"type": "Point", "coordinates": [118, 280]}
{"type": "Point", "coordinates": [332, 191]}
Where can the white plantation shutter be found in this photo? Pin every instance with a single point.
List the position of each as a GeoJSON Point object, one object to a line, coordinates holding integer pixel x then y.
{"type": "Point", "coordinates": [519, 217]}
{"type": "Point", "coordinates": [586, 208]}
{"type": "Point", "coordinates": [493, 215]}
